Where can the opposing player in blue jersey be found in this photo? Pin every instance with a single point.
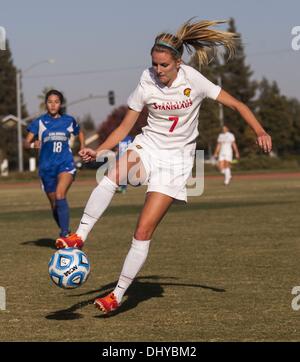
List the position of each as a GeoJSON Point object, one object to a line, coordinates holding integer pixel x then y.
{"type": "Point", "coordinates": [52, 131]}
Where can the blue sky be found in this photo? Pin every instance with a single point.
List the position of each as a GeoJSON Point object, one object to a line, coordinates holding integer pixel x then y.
{"type": "Point", "coordinates": [110, 36]}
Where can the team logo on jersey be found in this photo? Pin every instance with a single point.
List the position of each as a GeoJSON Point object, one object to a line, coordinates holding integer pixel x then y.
{"type": "Point", "coordinates": [187, 92]}
{"type": "Point", "coordinates": [138, 147]}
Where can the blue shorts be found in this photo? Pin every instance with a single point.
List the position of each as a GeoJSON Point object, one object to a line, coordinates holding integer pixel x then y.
{"type": "Point", "coordinates": [49, 177]}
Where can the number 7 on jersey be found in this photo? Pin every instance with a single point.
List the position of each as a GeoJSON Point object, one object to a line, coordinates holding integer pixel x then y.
{"type": "Point", "coordinates": [174, 124]}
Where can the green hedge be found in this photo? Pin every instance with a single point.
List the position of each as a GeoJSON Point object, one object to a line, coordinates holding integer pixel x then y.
{"type": "Point", "coordinates": [264, 162]}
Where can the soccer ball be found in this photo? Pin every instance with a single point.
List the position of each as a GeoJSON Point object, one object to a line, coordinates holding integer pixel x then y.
{"type": "Point", "coordinates": [69, 268]}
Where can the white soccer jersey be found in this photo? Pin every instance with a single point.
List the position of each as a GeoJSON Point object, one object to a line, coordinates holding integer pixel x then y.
{"type": "Point", "coordinates": [173, 111]}
{"type": "Point", "coordinates": [226, 140]}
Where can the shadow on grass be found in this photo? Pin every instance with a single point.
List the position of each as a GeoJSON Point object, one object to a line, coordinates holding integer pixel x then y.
{"type": "Point", "coordinates": [45, 243]}
{"type": "Point", "coordinates": [140, 291]}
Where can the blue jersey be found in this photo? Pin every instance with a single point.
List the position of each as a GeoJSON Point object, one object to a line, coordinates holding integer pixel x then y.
{"type": "Point", "coordinates": [54, 134]}
{"type": "Point", "coordinates": [123, 145]}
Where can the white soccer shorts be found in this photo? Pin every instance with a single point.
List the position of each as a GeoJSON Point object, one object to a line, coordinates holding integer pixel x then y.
{"type": "Point", "coordinates": [225, 157]}
{"type": "Point", "coordinates": [167, 170]}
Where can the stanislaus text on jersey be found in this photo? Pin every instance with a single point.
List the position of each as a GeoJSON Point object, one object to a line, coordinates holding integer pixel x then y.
{"type": "Point", "coordinates": [169, 106]}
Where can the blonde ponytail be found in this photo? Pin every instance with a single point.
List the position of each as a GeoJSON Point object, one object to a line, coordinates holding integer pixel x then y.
{"type": "Point", "coordinates": [197, 37]}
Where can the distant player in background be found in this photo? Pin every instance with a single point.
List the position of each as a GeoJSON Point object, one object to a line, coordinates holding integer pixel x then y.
{"type": "Point", "coordinates": [173, 93]}
{"type": "Point", "coordinates": [51, 133]}
{"type": "Point", "coordinates": [226, 143]}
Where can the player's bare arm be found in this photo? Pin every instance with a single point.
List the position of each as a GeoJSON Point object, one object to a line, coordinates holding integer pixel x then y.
{"type": "Point", "coordinates": [29, 140]}
{"type": "Point", "coordinates": [114, 138]}
{"type": "Point", "coordinates": [81, 137]}
{"type": "Point", "coordinates": [263, 139]}
{"type": "Point", "coordinates": [217, 150]}
{"type": "Point", "coordinates": [236, 150]}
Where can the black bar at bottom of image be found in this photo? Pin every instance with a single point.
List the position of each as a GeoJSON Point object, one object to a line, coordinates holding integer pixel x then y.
{"type": "Point", "coordinates": [100, 351]}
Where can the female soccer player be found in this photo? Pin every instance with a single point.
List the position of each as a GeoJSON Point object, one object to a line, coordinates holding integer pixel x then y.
{"type": "Point", "coordinates": [173, 93]}
{"type": "Point", "coordinates": [56, 165]}
{"type": "Point", "coordinates": [226, 142]}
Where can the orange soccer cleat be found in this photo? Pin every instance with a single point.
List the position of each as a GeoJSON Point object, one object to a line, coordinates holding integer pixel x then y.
{"type": "Point", "coordinates": [107, 304]}
{"type": "Point", "coordinates": [71, 241]}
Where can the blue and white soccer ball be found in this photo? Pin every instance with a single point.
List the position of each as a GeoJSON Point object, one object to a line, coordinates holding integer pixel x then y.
{"type": "Point", "coordinates": [69, 268]}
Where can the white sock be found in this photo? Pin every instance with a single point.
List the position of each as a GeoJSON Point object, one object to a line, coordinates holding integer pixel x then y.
{"type": "Point", "coordinates": [133, 263]}
{"type": "Point", "coordinates": [227, 174]}
{"type": "Point", "coordinates": [98, 202]}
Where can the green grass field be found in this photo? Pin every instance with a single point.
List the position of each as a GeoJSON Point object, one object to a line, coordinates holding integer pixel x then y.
{"type": "Point", "coordinates": [221, 268]}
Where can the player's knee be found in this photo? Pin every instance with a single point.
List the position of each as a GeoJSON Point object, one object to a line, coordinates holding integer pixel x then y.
{"type": "Point", "coordinates": [59, 195]}
{"type": "Point", "coordinates": [143, 232]}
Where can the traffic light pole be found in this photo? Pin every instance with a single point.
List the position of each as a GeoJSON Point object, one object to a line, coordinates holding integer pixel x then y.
{"type": "Point", "coordinates": [110, 96]}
